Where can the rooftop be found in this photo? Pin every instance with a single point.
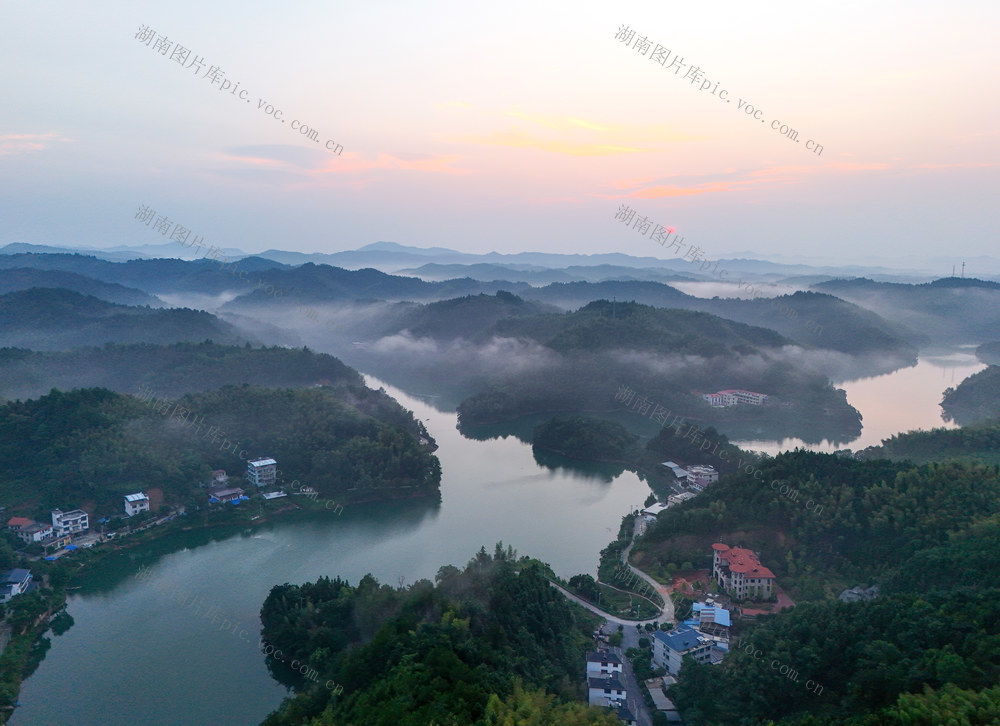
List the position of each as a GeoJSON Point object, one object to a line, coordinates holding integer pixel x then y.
{"type": "Point", "coordinates": [19, 522]}
{"type": "Point", "coordinates": [603, 656]}
{"type": "Point", "coordinates": [611, 682]}
{"type": "Point", "coordinates": [16, 575]}
{"type": "Point", "coordinates": [139, 497]}
{"type": "Point", "coordinates": [680, 639]}
{"type": "Point", "coordinates": [262, 462]}
{"type": "Point", "coordinates": [743, 561]}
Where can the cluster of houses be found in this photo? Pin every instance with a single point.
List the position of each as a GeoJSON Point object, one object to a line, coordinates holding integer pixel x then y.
{"type": "Point", "coordinates": [734, 397]}
{"type": "Point", "coordinates": [696, 476]}
{"type": "Point", "coordinates": [51, 536]}
{"type": "Point", "coordinates": [66, 525]}
{"type": "Point", "coordinates": [260, 472]}
{"type": "Point", "coordinates": [605, 687]}
{"type": "Point", "coordinates": [704, 636]}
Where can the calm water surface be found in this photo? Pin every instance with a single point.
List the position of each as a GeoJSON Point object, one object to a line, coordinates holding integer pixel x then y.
{"type": "Point", "coordinates": [137, 655]}
{"type": "Point", "coordinates": [142, 652]}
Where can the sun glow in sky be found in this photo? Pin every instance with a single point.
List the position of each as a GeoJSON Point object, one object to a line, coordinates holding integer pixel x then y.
{"type": "Point", "coordinates": [506, 127]}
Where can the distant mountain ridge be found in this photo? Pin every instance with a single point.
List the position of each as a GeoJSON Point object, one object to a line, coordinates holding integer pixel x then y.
{"type": "Point", "coordinates": [59, 319]}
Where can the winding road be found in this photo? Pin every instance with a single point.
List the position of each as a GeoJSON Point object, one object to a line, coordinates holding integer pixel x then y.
{"type": "Point", "coordinates": [666, 614]}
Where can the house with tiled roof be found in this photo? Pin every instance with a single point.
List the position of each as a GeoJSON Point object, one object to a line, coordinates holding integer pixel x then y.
{"type": "Point", "coordinates": [605, 691]}
{"type": "Point", "coordinates": [603, 663]}
{"type": "Point", "coordinates": [740, 572]}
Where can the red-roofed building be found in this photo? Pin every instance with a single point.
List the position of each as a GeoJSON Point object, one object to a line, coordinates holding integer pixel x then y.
{"type": "Point", "coordinates": [740, 573]}
{"type": "Point", "coordinates": [15, 524]}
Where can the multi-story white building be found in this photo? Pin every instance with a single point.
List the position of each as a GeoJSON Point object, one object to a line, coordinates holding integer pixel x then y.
{"type": "Point", "coordinates": [602, 663]}
{"type": "Point", "coordinates": [135, 503]}
{"type": "Point", "coordinates": [72, 522]}
{"type": "Point", "coordinates": [740, 573]}
{"type": "Point", "coordinates": [700, 476]}
{"type": "Point", "coordinates": [262, 472]}
{"type": "Point", "coordinates": [605, 691]}
{"type": "Point", "coordinates": [734, 396]}
{"type": "Point", "coordinates": [720, 399]}
{"type": "Point", "coordinates": [670, 648]}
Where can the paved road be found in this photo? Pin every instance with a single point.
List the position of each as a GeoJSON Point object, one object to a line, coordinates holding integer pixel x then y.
{"type": "Point", "coordinates": [630, 634]}
{"type": "Point", "coordinates": [667, 613]}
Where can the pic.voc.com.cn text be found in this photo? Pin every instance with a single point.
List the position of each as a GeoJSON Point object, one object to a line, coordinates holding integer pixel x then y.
{"type": "Point", "coordinates": [642, 45]}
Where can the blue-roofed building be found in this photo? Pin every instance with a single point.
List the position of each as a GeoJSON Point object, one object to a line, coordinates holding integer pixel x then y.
{"type": "Point", "coordinates": [671, 647]}
{"type": "Point", "coordinates": [710, 619]}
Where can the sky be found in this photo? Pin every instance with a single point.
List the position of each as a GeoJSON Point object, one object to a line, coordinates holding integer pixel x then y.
{"type": "Point", "coordinates": [507, 127]}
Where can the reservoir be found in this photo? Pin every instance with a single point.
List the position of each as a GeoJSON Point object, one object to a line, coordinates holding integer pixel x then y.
{"type": "Point", "coordinates": [148, 644]}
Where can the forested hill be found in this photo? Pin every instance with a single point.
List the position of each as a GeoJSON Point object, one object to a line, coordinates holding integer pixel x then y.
{"type": "Point", "coordinates": [171, 370]}
{"type": "Point", "coordinates": [481, 646]}
{"type": "Point", "coordinates": [57, 319]}
{"type": "Point", "coordinates": [975, 443]}
{"type": "Point", "coordinates": [951, 309]}
{"type": "Point", "coordinates": [928, 535]}
{"type": "Point", "coordinates": [605, 325]}
{"type": "Point", "coordinates": [874, 515]}
{"type": "Point", "coordinates": [24, 278]}
{"type": "Point", "coordinates": [975, 399]}
{"type": "Point", "coordinates": [89, 447]}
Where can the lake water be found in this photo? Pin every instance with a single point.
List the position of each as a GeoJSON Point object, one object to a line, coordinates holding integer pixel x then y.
{"type": "Point", "coordinates": [147, 645]}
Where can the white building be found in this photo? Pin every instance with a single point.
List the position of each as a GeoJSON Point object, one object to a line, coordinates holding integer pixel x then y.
{"type": "Point", "coordinates": [605, 691]}
{"type": "Point", "coordinates": [670, 648]}
{"type": "Point", "coordinates": [262, 472]}
{"type": "Point", "coordinates": [602, 663]}
{"type": "Point", "coordinates": [734, 396]}
{"type": "Point", "coordinates": [682, 497]}
{"type": "Point", "coordinates": [722, 399]}
{"type": "Point", "coordinates": [14, 582]}
{"type": "Point", "coordinates": [135, 503]}
{"type": "Point", "coordinates": [73, 522]}
{"type": "Point", "coordinates": [36, 532]}
{"type": "Point", "coordinates": [699, 476]}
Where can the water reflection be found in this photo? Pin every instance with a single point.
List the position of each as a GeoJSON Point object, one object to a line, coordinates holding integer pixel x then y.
{"type": "Point", "coordinates": [907, 399]}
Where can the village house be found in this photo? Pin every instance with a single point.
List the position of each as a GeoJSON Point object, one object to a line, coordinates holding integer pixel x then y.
{"type": "Point", "coordinates": [700, 476]}
{"type": "Point", "coordinates": [28, 530]}
{"type": "Point", "coordinates": [625, 716]}
{"type": "Point", "coordinates": [670, 648]}
{"type": "Point", "coordinates": [135, 503]}
{"type": "Point", "coordinates": [603, 663]}
{"type": "Point", "coordinates": [72, 522]}
{"type": "Point", "coordinates": [740, 572]}
{"type": "Point", "coordinates": [14, 582]}
{"type": "Point", "coordinates": [605, 691]}
{"type": "Point", "coordinates": [224, 494]}
{"type": "Point", "coordinates": [262, 472]}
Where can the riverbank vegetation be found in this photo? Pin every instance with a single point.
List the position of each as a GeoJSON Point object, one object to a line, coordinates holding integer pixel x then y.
{"type": "Point", "coordinates": [90, 447]}
{"type": "Point", "coordinates": [974, 400]}
{"type": "Point", "coordinates": [467, 649]}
